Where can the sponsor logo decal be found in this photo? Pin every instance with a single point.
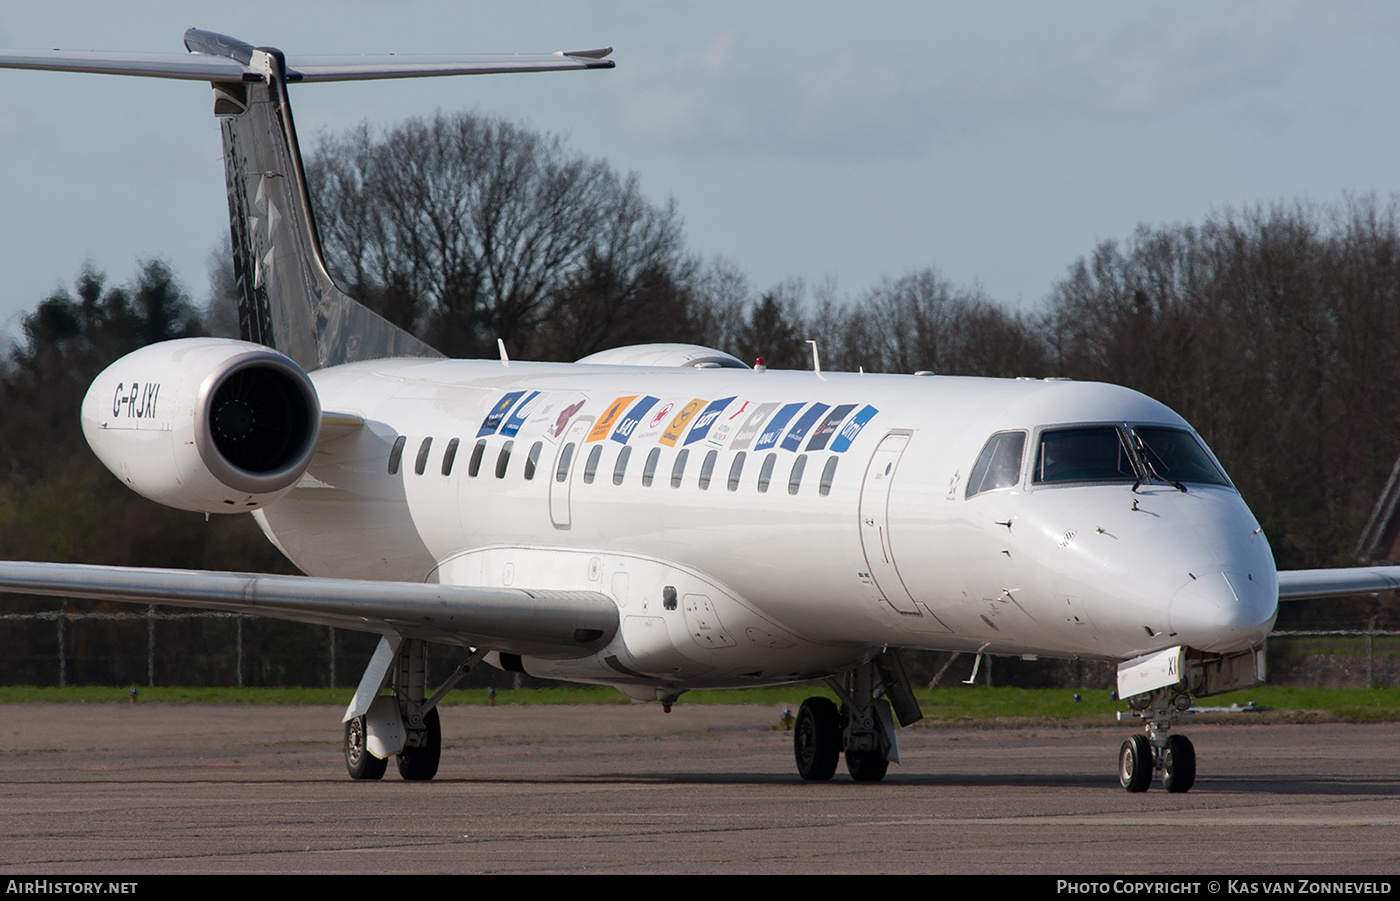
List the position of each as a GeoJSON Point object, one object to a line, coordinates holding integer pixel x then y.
{"type": "Point", "coordinates": [799, 429]}
{"type": "Point", "coordinates": [517, 419]}
{"type": "Point", "coordinates": [629, 423]}
{"type": "Point", "coordinates": [750, 427]}
{"type": "Point", "coordinates": [610, 417]}
{"type": "Point", "coordinates": [823, 432]}
{"type": "Point", "coordinates": [498, 413]}
{"type": "Point", "coordinates": [707, 419]}
{"type": "Point", "coordinates": [851, 429]}
{"type": "Point", "coordinates": [682, 419]}
{"type": "Point", "coordinates": [774, 429]}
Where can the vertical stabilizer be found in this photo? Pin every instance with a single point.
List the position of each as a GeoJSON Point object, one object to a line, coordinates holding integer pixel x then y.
{"type": "Point", "coordinates": [286, 298]}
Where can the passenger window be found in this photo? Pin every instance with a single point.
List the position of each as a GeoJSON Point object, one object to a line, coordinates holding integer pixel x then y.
{"type": "Point", "coordinates": [678, 470]}
{"type": "Point", "coordinates": [396, 454]}
{"type": "Point", "coordinates": [649, 471]}
{"type": "Point", "coordinates": [706, 469]}
{"type": "Point", "coordinates": [503, 460]}
{"type": "Point", "coordinates": [590, 469]}
{"type": "Point", "coordinates": [999, 464]}
{"type": "Point", "coordinates": [566, 456]}
{"type": "Point", "coordinates": [795, 480]}
{"type": "Point", "coordinates": [449, 455]}
{"type": "Point", "coordinates": [736, 469]}
{"type": "Point", "coordinates": [765, 473]}
{"type": "Point", "coordinates": [474, 464]}
{"type": "Point", "coordinates": [421, 464]}
{"type": "Point", "coordinates": [533, 460]}
{"type": "Point", "coordinates": [620, 470]}
{"type": "Point", "coordinates": [828, 474]}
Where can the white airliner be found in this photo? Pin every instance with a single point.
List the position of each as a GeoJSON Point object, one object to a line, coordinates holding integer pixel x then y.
{"type": "Point", "coordinates": [658, 518]}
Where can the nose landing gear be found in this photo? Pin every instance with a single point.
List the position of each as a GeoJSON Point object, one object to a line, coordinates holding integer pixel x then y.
{"type": "Point", "coordinates": [1155, 751]}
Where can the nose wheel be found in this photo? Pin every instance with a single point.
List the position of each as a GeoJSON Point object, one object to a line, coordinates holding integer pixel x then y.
{"type": "Point", "coordinates": [1154, 750]}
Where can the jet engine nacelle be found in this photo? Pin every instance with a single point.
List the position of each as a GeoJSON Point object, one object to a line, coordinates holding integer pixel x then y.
{"type": "Point", "coordinates": [205, 424]}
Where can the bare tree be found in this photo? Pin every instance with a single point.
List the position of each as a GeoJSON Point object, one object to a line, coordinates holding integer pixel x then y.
{"type": "Point", "coordinates": [466, 228]}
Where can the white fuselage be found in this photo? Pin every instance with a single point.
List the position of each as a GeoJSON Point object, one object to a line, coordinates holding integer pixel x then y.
{"type": "Point", "coordinates": [724, 583]}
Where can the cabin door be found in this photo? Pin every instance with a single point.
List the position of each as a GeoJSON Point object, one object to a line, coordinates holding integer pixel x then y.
{"type": "Point", "coordinates": [561, 476]}
{"type": "Point", "coordinates": [875, 523]}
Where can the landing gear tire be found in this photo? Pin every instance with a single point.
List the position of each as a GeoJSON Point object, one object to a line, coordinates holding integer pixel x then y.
{"type": "Point", "coordinates": [816, 739]}
{"type": "Point", "coordinates": [1135, 764]}
{"type": "Point", "coordinates": [866, 766]}
{"type": "Point", "coordinates": [421, 763]}
{"type": "Point", "coordinates": [358, 760]}
{"type": "Point", "coordinates": [1178, 764]}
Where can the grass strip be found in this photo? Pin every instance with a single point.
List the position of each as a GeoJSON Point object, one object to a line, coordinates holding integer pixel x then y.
{"type": "Point", "coordinates": [947, 705]}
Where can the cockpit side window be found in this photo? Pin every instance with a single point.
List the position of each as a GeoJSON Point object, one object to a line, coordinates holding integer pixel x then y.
{"type": "Point", "coordinates": [1177, 456]}
{"type": "Point", "coordinates": [1088, 454]}
{"type": "Point", "coordinates": [999, 464]}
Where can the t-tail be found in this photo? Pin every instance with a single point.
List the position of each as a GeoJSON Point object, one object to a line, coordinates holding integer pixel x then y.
{"type": "Point", "coordinates": [287, 299]}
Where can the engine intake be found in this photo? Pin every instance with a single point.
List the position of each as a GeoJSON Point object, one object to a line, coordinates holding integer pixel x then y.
{"type": "Point", "coordinates": [204, 424]}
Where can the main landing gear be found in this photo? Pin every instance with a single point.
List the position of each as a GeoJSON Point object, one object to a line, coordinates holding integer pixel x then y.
{"type": "Point", "coordinates": [404, 723]}
{"type": "Point", "coordinates": [862, 727]}
{"type": "Point", "coordinates": [1154, 751]}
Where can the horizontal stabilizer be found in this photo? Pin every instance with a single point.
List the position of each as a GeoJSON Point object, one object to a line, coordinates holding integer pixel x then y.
{"type": "Point", "coordinates": [556, 624]}
{"type": "Point", "coordinates": [219, 58]}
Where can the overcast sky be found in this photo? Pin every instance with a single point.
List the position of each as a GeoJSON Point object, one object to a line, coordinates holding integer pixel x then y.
{"type": "Point", "coordinates": [998, 142]}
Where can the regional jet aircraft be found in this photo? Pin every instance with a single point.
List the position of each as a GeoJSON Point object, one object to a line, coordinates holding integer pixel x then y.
{"type": "Point", "coordinates": [659, 518]}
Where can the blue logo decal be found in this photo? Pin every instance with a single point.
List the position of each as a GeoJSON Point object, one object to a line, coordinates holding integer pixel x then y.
{"type": "Point", "coordinates": [629, 423]}
{"type": "Point", "coordinates": [822, 433]}
{"type": "Point", "coordinates": [498, 412]}
{"type": "Point", "coordinates": [701, 428]}
{"type": "Point", "coordinates": [852, 429]}
{"type": "Point", "coordinates": [775, 428]}
{"type": "Point", "coordinates": [799, 429]}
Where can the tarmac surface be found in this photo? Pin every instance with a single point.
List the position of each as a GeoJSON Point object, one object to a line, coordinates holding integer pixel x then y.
{"type": "Point", "coordinates": [162, 788]}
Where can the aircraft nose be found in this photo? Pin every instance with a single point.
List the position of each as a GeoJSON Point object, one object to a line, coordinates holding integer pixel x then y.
{"type": "Point", "coordinates": [1223, 611]}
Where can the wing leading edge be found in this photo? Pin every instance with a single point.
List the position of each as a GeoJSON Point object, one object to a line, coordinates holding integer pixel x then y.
{"type": "Point", "coordinates": [556, 624]}
{"type": "Point", "coordinates": [1300, 584]}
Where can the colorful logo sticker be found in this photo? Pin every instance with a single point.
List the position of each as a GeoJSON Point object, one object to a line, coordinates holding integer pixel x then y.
{"type": "Point", "coordinates": [517, 419]}
{"type": "Point", "coordinates": [498, 412]}
{"type": "Point", "coordinates": [678, 424]}
{"type": "Point", "coordinates": [629, 423]}
{"type": "Point", "coordinates": [799, 429]}
{"type": "Point", "coordinates": [750, 428]}
{"type": "Point", "coordinates": [707, 419]}
{"type": "Point", "coordinates": [562, 420]}
{"type": "Point", "coordinates": [655, 421]}
{"type": "Point", "coordinates": [822, 433]}
{"type": "Point", "coordinates": [610, 417]}
{"type": "Point", "coordinates": [774, 430]}
{"type": "Point", "coordinates": [728, 423]}
{"type": "Point", "coordinates": [852, 429]}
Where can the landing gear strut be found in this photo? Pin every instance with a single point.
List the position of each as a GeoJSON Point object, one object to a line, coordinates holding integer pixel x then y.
{"type": "Point", "coordinates": [862, 727]}
{"type": "Point", "coordinates": [404, 723]}
{"type": "Point", "coordinates": [1155, 751]}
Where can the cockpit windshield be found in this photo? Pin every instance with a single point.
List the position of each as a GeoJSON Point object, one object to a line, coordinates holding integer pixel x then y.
{"type": "Point", "coordinates": [1176, 456]}
{"type": "Point", "coordinates": [1141, 454]}
{"type": "Point", "coordinates": [1088, 454]}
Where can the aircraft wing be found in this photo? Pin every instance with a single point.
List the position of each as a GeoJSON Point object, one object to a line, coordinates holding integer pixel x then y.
{"type": "Point", "coordinates": [557, 624]}
{"type": "Point", "coordinates": [1300, 584]}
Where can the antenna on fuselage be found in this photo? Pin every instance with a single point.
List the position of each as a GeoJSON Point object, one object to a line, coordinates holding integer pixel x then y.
{"type": "Point", "coordinates": [816, 360]}
{"type": "Point", "coordinates": [505, 360]}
